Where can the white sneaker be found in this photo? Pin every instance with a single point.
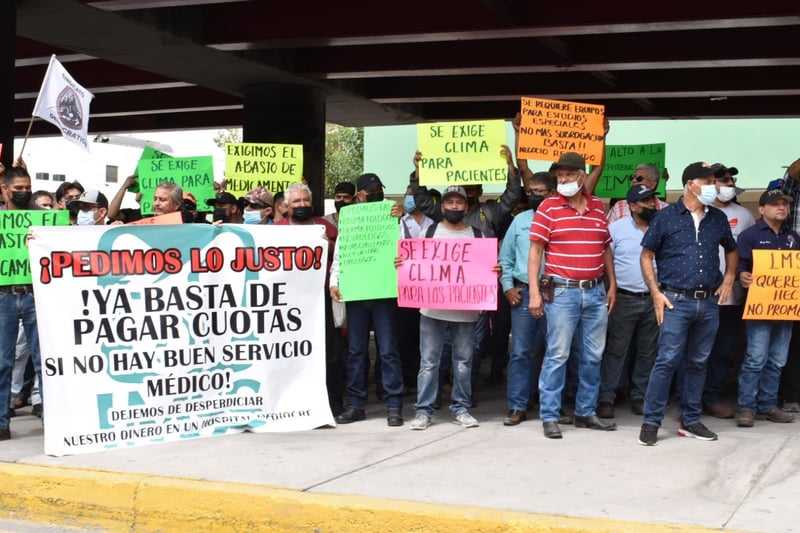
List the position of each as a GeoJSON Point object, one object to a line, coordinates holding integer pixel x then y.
{"type": "Point", "coordinates": [466, 420]}
{"type": "Point", "coordinates": [421, 421]}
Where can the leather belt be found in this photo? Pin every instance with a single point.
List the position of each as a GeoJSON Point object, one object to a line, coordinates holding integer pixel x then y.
{"type": "Point", "coordinates": [520, 284]}
{"type": "Point", "coordinates": [697, 294]}
{"type": "Point", "coordinates": [578, 283]}
{"type": "Point", "coordinates": [634, 294]}
{"type": "Point", "coordinates": [17, 289]}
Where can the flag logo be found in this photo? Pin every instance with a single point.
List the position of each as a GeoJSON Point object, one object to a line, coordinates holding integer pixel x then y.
{"type": "Point", "coordinates": [69, 109]}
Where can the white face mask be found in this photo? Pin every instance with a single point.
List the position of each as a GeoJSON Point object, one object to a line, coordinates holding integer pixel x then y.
{"type": "Point", "coordinates": [708, 193]}
{"type": "Point", "coordinates": [85, 218]}
{"type": "Point", "coordinates": [726, 194]}
{"type": "Point", "coordinates": [568, 189]}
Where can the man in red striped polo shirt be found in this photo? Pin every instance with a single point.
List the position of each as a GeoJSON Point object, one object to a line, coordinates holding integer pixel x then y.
{"type": "Point", "coordinates": [569, 232]}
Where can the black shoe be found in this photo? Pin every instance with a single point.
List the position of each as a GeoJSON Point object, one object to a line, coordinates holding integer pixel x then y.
{"type": "Point", "coordinates": [351, 415]}
{"type": "Point", "coordinates": [514, 417]}
{"type": "Point", "coordinates": [648, 436]}
{"type": "Point", "coordinates": [12, 413]}
{"type": "Point", "coordinates": [337, 409]}
{"type": "Point", "coordinates": [394, 418]}
{"type": "Point", "coordinates": [592, 422]}
{"type": "Point", "coordinates": [637, 406]}
{"type": "Point", "coordinates": [5, 433]}
{"type": "Point", "coordinates": [37, 410]}
{"type": "Point", "coordinates": [605, 410]}
{"type": "Point", "coordinates": [551, 430]}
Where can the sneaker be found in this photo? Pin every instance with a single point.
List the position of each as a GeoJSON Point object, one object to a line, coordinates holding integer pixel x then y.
{"type": "Point", "coordinates": [648, 436]}
{"type": "Point", "coordinates": [791, 407]}
{"type": "Point", "coordinates": [421, 421]}
{"type": "Point", "coordinates": [776, 415]}
{"type": "Point", "coordinates": [466, 420]}
{"type": "Point", "coordinates": [698, 431]}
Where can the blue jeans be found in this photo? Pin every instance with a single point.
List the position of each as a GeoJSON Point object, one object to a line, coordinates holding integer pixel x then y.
{"type": "Point", "coordinates": [381, 313]}
{"type": "Point", "coordinates": [571, 311]}
{"type": "Point", "coordinates": [13, 308]}
{"type": "Point", "coordinates": [688, 334]}
{"type": "Point", "coordinates": [760, 374]}
{"type": "Point", "coordinates": [632, 318]}
{"type": "Point", "coordinates": [524, 328]}
{"type": "Point", "coordinates": [431, 339]}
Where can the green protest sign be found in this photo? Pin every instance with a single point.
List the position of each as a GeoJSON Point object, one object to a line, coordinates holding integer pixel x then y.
{"type": "Point", "coordinates": [367, 247]}
{"type": "Point", "coordinates": [15, 267]}
{"type": "Point", "coordinates": [148, 153]}
{"type": "Point", "coordinates": [272, 166]}
{"type": "Point", "coordinates": [621, 162]}
{"type": "Point", "coordinates": [462, 153]}
{"type": "Point", "coordinates": [192, 174]}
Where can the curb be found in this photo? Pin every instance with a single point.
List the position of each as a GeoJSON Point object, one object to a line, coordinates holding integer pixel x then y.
{"type": "Point", "coordinates": [114, 501]}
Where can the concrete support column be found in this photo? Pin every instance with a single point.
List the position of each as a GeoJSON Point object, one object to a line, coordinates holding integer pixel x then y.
{"type": "Point", "coordinates": [8, 36]}
{"type": "Point", "coordinates": [290, 115]}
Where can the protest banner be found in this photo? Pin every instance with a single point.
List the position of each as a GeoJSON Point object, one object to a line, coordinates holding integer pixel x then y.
{"type": "Point", "coordinates": [148, 152]}
{"type": "Point", "coordinates": [462, 153]}
{"type": "Point", "coordinates": [15, 268]}
{"type": "Point", "coordinates": [549, 128]}
{"type": "Point", "coordinates": [447, 274]}
{"type": "Point", "coordinates": [166, 333]}
{"type": "Point", "coordinates": [367, 247]}
{"type": "Point", "coordinates": [272, 166]}
{"type": "Point", "coordinates": [192, 174]}
{"type": "Point", "coordinates": [621, 163]}
{"type": "Point", "coordinates": [774, 293]}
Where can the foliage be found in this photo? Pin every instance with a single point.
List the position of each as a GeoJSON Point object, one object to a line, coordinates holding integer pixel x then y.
{"type": "Point", "coordinates": [231, 135]}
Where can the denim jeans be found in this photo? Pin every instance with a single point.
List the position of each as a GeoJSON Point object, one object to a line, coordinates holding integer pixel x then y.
{"type": "Point", "coordinates": [431, 339]}
{"type": "Point", "coordinates": [14, 308]}
{"type": "Point", "coordinates": [688, 333]}
{"type": "Point", "coordinates": [381, 314]}
{"type": "Point", "coordinates": [719, 360]}
{"type": "Point", "coordinates": [632, 318]}
{"type": "Point", "coordinates": [573, 311]}
{"type": "Point", "coordinates": [524, 328]}
{"type": "Point", "coordinates": [760, 374]}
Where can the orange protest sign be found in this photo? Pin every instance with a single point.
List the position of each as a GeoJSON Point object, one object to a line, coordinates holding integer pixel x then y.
{"type": "Point", "coordinates": [774, 293]}
{"type": "Point", "coordinates": [549, 128]}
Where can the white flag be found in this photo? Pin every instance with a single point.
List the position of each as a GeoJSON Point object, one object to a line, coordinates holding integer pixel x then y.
{"type": "Point", "coordinates": [64, 102]}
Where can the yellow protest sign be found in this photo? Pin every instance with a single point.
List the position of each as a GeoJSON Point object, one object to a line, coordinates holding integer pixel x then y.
{"type": "Point", "coordinates": [462, 153]}
{"type": "Point", "coordinates": [272, 166]}
{"type": "Point", "coordinates": [549, 128]}
{"type": "Point", "coordinates": [774, 293]}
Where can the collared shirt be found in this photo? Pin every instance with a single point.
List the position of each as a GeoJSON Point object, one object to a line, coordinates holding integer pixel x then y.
{"type": "Point", "coordinates": [620, 209]}
{"type": "Point", "coordinates": [575, 243]}
{"type": "Point", "coordinates": [513, 255]}
{"type": "Point", "coordinates": [739, 219]}
{"type": "Point", "coordinates": [411, 229]}
{"type": "Point", "coordinates": [761, 237]}
{"type": "Point", "coordinates": [626, 246]}
{"type": "Point", "coordinates": [687, 255]}
{"type": "Point", "coordinates": [791, 187]}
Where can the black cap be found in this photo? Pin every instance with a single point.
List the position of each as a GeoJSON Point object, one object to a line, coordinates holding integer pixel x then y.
{"type": "Point", "coordinates": [697, 170]}
{"type": "Point", "coordinates": [720, 170]}
{"type": "Point", "coordinates": [369, 182]}
{"type": "Point", "coordinates": [570, 160]}
{"type": "Point", "coordinates": [223, 198]}
{"type": "Point", "coordinates": [639, 192]}
{"type": "Point", "coordinates": [773, 195]}
{"type": "Point", "coordinates": [345, 188]}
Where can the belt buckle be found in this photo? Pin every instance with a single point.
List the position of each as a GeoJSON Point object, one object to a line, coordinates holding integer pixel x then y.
{"type": "Point", "coordinates": [586, 283]}
{"type": "Point", "coordinates": [18, 290]}
{"type": "Point", "coordinates": [700, 295]}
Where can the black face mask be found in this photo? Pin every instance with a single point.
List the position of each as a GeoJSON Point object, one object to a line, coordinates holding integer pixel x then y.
{"type": "Point", "coordinates": [221, 215]}
{"type": "Point", "coordinates": [534, 200]}
{"type": "Point", "coordinates": [21, 199]}
{"type": "Point", "coordinates": [375, 197]}
{"type": "Point", "coordinates": [647, 213]}
{"type": "Point", "coordinates": [302, 213]}
{"type": "Point", "coordinates": [453, 216]}
{"type": "Point", "coordinates": [339, 205]}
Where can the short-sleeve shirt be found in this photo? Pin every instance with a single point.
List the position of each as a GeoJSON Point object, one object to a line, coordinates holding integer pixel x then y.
{"type": "Point", "coordinates": [687, 256]}
{"type": "Point", "coordinates": [761, 237]}
{"type": "Point", "coordinates": [574, 242]}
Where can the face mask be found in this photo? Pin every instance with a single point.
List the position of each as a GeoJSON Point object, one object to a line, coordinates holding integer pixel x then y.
{"type": "Point", "coordinates": [221, 215]}
{"type": "Point", "coordinates": [339, 205]}
{"type": "Point", "coordinates": [708, 193]}
{"type": "Point", "coordinates": [453, 216]}
{"type": "Point", "coordinates": [534, 200]}
{"type": "Point", "coordinates": [375, 197]}
{"type": "Point", "coordinates": [252, 217]}
{"type": "Point", "coordinates": [568, 190]}
{"type": "Point", "coordinates": [408, 203]}
{"type": "Point", "coordinates": [21, 199]}
{"type": "Point", "coordinates": [85, 218]}
{"type": "Point", "coordinates": [647, 213]}
{"type": "Point", "coordinates": [301, 213]}
{"type": "Point", "coordinates": [726, 194]}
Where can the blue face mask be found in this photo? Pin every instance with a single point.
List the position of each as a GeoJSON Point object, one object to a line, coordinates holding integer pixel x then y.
{"type": "Point", "coordinates": [408, 203]}
{"type": "Point", "coordinates": [252, 217]}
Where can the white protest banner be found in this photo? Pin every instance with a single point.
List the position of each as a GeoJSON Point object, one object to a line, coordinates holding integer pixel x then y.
{"type": "Point", "coordinates": [163, 333]}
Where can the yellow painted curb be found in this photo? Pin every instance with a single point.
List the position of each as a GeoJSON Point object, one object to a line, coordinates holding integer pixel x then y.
{"type": "Point", "coordinates": [142, 503]}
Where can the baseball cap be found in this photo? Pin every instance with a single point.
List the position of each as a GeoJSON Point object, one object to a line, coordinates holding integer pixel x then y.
{"type": "Point", "coordinates": [639, 192]}
{"type": "Point", "coordinates": [259, 196]}
{"type": "Point", "coordinates": [720, 170]}
{"type": "Point", "coordinates": [345, 187]}
{"type": "Point", "coordinates": [368, 181]}
{"type": "Point", "coordinates": [90, 197]}
{"type": "Point", "coordinates": [697, 170]}
{"type": "Point", "coordinates": [454, 189]}
{"type": "Point", "coordinates": [570, 160]}
{"type": "Point", "coordinates": [773, 195]}
{"type": "Point", "coordinates": [222, 198]}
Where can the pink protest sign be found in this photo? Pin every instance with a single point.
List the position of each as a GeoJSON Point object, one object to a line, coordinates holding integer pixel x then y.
{"type": "Point", "coordinates": [447, 274]}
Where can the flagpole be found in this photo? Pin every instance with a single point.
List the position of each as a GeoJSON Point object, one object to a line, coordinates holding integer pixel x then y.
{"type": "Point", "coordinates": [24, 141]}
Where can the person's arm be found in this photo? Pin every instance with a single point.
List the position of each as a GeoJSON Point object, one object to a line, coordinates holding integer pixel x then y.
{"type": "Point", "coordinates": [745, 267]}
{"type": "Point", "coordinates": [511, 195]}
{"type": "Point", "coordinates": [594, 176]}
{"type": "Point", "coordinates": [535, 303]}
{"type": "Point", "coordinates": [524, 171]}
{"type": "Point", "coordinates": [115, 205]}
{"type": "Point", "coordinates": [611, 278]}
{"type": "Point", "coordinates": [422, 198]}
{"type": "Point", "coordinates": [660, 300]}
{"type": "Point", "coordinates": [333, 281]}
{"type": "Point", "coordinates": [731, 261]}
{"type": "Point", "coordinates": [506, 258]}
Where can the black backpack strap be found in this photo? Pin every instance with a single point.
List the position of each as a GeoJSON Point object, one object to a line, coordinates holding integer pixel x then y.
{"type": "Point", "coordinates": [431, 230]}
{"type": "Point", "coordinates": [475, 231]}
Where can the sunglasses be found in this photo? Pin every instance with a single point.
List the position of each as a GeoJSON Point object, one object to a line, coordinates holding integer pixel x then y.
{"type": "Point", "coordinates": [638, 178]}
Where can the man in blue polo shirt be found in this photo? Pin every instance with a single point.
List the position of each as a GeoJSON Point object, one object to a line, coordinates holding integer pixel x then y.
{"type": "Point", "coordinates": [684, 239]}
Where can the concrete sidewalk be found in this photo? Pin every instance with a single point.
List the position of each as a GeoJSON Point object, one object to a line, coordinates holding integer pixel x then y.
{"type": "Point", "coordinates": [370, 477]}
